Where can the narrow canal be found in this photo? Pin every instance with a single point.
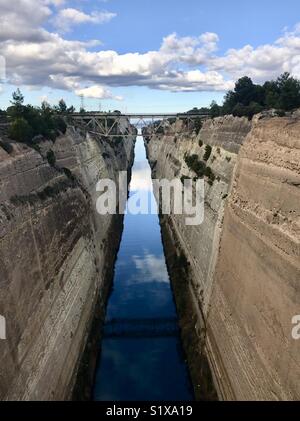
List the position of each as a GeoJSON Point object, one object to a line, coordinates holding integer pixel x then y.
{"type": "Point", "coordinates": [141, 355]}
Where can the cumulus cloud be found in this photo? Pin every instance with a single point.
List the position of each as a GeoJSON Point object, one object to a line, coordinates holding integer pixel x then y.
{"type": "Point", "coordinates": [66, 18]}
{"type": "Point", "coordinates": [264, 62]}
{"type": "Point", "coordinates": [20, 18]}
{"type": "Point", "coordinates": [37, 57]}
{"type": "Point", "coordinates": [98, 92]}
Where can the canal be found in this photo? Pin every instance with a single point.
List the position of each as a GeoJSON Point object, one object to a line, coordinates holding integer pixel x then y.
{"type": "Point", "coordinates": [141, 356]}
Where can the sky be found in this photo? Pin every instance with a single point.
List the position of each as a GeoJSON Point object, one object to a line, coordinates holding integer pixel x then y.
{"type": "Point", "coordinates": [143, 56]}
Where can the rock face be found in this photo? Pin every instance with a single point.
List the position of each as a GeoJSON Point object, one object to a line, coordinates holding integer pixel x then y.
{"type": "Point", "coordinates": [256, 282]}
{"type": "Point", "coordinates": [243, 261]}
{"type": "Point", "coordinates": [55, 255]}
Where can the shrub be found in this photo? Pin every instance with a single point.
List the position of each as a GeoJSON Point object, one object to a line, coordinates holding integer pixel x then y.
{"type": "Point", "coordinates": [198, 125]}
{"type": "Point", "coordinates": [160, 130]}
{"type": "Point", "coordinates": [51, 158]}
{"type": "Point", "coordinates": [36, 147]}
{"type": "Point", "coordinates": [59, 124]}
{"type": "Point", "coordinates": [195, 164]}
{"type": "Point", "coordinates": [181, 262]}
{"type": "Point", "coordinates": [210, 174]}
{"type": "Point", "coordinates": [20, 130]}
{"type": "Point", "coordinates": [199, 167]}
{"type": "Point", "coordinates": [207, 153]}
{"type": "Point", "coordinates": [69, 174]}
{"type": "Point", "coordinates": [200, 143]}
{"type": "Point", "coordinates": [6, 146]}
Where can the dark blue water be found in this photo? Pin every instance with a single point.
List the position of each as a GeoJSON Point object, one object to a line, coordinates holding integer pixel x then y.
{"type": "Point", "coordinates": [147, 365]}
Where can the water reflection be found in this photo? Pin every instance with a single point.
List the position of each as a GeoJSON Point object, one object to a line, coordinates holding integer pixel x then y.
{"type": "Point", "coordinates": [143, 368]}
{"type": "Point", "coordinates": [141, 177]}
{"type": "Point", "coordinates": [151, 268]}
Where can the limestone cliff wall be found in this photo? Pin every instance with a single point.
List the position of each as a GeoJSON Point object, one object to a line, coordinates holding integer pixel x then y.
{"type": "Point", "coordinates": [256, 282]}
{"type": "Point", "coordinates": [243, 275]}
{"type": "Point", "coordinates": [55, 253]}
{"type": "Point", "coordinates": [167, 158]}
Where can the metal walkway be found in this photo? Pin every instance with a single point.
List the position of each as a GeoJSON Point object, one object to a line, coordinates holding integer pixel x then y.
{"type": "Point", "coordinates": [141, 328]}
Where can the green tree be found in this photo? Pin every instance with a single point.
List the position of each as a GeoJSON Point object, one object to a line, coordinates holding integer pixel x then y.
{"type": "Point", "coordinates": [272, 94]}
{"type": "Point", "coordinates": [289, 88]}
{"type": "Point", "coordinates": [229, 102]}
{"type": "Point", "coordinates": [16, 110]}
{"type": "Point", "coordinates": [62, 106]}
{"type": "Point", "coordinates": [245, 92]}
{"type": "Point", "coordinates": [215, 110]}
{"type": "Point", "coordinates": [71, 109]}
{"type": "Point", "coordinates": [18, 98]}
{"type": "Point", "coordinates": [283, 93]}
{"type": "Point", "coordinates": [46, 108]}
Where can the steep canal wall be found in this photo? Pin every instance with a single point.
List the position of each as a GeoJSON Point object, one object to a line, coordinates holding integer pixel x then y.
{"type": "Point", "coordinates": [56, 258]}
{"type": "Point", "coordinates": [239, 284]}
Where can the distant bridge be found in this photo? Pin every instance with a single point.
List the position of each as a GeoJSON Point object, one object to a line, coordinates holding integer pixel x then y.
{"type": "Point", "coordinates": [116, 124]}
{"type": "Point", "coordinates": [141, 328]}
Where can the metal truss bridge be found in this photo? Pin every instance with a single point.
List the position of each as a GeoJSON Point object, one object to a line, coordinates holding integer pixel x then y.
{"type": "Point", "coordinates": [140, 328]}
{"type": "Point", "coordinates": [116, 124]}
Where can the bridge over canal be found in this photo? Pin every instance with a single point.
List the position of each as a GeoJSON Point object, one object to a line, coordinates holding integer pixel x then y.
{"type": "Point", "coordinates": [112, 124]}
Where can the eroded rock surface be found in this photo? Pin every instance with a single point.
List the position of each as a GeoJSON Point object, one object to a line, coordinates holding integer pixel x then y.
{"type": "Point", "coordinates": [256, 282]}
{"type": "Point", "coordinates": [244, 260]}
{"type": "Point", "coordinates": [55, 252]}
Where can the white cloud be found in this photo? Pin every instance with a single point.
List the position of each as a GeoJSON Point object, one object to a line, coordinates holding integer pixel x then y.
{"type": "Point", "coordinates": [66, 18]}
{"type": "Point", "coordinates": [20, 18]}
{"type": "Point", "coordinates": [56, 3]}
{"type": "Point", "coordinates": [37, 57]}
{"type": "Point", "coordinates": [98, 92]}
{"type": "Point", "coordinates": [264, 62]}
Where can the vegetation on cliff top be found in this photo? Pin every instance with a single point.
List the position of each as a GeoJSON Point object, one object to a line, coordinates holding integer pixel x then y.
{"type": "Point", "coordinates": [30, 124]}
{"type": "Point", "coordinates": [248, 99]}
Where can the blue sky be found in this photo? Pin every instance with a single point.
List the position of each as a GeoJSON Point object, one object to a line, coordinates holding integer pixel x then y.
{"type": "Point", "coordinates": [144, 55]}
